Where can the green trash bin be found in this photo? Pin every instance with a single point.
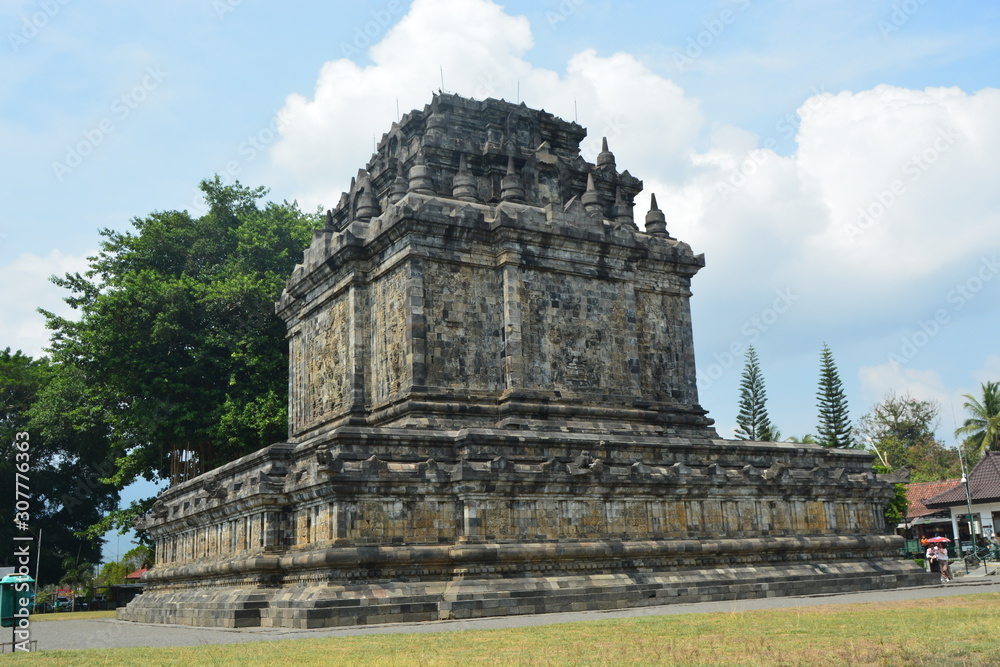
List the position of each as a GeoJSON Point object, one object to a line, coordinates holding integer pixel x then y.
{"type": "Point", "coordinates": [16, 596]}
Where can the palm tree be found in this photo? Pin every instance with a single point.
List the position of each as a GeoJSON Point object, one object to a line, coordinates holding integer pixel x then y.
{"type": "Point", "coordinates": [807, 439]}
{"type": "Point", "coordinates": [77, 575]}
{"type": "Point", "coordinates": [982, 429]}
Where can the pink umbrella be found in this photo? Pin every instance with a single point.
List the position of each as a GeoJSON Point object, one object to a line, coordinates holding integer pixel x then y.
{"type": "Point", "coordinates": [937, 540]}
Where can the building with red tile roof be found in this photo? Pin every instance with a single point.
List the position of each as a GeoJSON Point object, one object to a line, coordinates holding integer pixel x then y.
{"type": "Point", "coordinates": [921, 521]}
{"type": "Point", "coordinates": [916, 494]}
{"type": "Point", "coordinates": [983, 494]}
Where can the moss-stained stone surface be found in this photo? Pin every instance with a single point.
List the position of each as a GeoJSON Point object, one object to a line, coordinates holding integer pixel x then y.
{"type": "Point", "coordinates": [493, 410]}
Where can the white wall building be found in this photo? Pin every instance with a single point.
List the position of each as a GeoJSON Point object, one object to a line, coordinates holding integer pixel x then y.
{"type": "Point", "coordinates": [981, 490]}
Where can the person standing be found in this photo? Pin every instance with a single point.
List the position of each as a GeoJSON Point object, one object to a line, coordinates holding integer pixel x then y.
{"type": "Point", "coordinates": [931, 563]}
{"type": "Point", "coordinates": [941, 558]}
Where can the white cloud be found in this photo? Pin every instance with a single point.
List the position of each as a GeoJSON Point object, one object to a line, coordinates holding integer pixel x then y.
{"type": "Point", "coordinates": [990, 370]}
{"type": "Point", "coordinates": [21, 327]}
{"type": "Point", "coordinates": [325, 139]}
{"type": "Point", "coordinates": [919, 163]}
{"type": "Point", "coordinates": [895, 167]}
{"type": "Point", "coordinates": [889, 378]}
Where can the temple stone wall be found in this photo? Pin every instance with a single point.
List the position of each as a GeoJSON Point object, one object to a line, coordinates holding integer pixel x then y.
{"type": "Point", "coordinates": [328, 499]}
{"type": "Point", "coordinates": [493, 410]}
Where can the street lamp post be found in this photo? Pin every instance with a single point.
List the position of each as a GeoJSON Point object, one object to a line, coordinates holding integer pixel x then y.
{"type": "Point", "coordinates": [968, 499]}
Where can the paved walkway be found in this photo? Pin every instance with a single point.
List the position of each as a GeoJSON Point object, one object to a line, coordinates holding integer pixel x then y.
{"type": "Point", "coordinates": [109, 633]}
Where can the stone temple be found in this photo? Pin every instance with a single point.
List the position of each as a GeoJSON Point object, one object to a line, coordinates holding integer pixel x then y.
{"type": "Point", "coordinates": [493, 410]}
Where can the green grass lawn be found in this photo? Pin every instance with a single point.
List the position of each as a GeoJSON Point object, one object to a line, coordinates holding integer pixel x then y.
{"type": "Point", "coordinates": [72, 616]}
{"type": "Point", "coordinates": [942, 632]}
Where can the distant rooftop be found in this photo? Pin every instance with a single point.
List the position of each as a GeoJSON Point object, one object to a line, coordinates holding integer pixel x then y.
{"type": "Point", "coordinates": [916, 494]}
{"type": "Point", "coordinates": [984, 485]}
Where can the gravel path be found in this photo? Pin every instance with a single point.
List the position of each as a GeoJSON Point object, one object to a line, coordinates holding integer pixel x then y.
{"type": "Point", "coordinates": [108, 633]}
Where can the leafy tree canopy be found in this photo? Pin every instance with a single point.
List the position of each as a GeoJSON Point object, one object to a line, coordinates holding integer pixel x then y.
{"type": "Point", "coordinates": [902, 429]}
{"type": "Point", "coordinates": [116, 571]}
{"type": "Point", "coordinates": [895, 509]}
{"type": "Point", "coordinates": [63, 466]}
{"type": "Point", "coordinates": [176, 347]}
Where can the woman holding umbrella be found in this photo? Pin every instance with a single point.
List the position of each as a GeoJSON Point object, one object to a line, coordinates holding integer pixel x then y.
{"type": "Point", "coordinates": [932, 565]}
{"type": "Point", "coordinates": [940, 555]}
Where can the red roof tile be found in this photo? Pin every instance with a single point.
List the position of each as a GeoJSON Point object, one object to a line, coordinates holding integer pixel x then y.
{"type": "Point", "coordinates": [984, 485]}
{"type": "Point", "coordinates": [916, 494]}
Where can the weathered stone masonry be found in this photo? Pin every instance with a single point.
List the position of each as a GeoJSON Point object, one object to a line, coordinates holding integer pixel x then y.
{"type": "Point", "coordinates": [493, 410]}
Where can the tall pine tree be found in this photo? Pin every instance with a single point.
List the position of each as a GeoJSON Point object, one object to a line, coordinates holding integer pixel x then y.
{"type": "Point", "coordinates": [753, 421]}
{"type": "Point", "coordinates": [834, 428]}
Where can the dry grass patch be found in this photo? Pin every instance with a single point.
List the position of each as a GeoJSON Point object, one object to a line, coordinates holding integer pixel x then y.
{"type": "Point", "coordinates": [72, 616]}
{"type": "Point", "coordinates": [940, 632]}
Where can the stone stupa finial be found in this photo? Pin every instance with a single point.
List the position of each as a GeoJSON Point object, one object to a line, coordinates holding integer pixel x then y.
{"type": "Point", "coordinates": [656, 221]}
{"type": "Point", "coordinates": [591, 199]}
{"type": "Point", "coordinates": [367, 206]}
{"type": "Point", "coordinates": [420, 180]}
{"type": "Point", "coordinates": [398, 188]}
{"type": "Point", "coordinates": [605, 157]}
{"type": "Point", "coordinates": [511, 187]}
{"type": "Point", "coordinates": [464, 184]}
{"type": "Point", "coordinates": [623, 210]}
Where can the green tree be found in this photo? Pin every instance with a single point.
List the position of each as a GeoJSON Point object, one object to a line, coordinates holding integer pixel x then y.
{"type": "Point", "coordinates": [64, 467]}
{"type": "Point", "coordinates": [753, 422]}
{"type": "Point", "coordinates": [116, 571]}
{"type": "Point", "coordinates": [895, 509]}
{"type": "Point", "coordinates": [111, 574]}
{"type": "Point", "coordinates": [982, 429]}
{"type": "Point", "coordinates": [807, 439]}
{"type": "Point", "coordinates": [176, 341]}
{"type": "Point", "coordinates": [902, 430]}
{"type": "Point", "coordinates": [834, 428]}
{"type": "Point", "coordinates": [77, 574]}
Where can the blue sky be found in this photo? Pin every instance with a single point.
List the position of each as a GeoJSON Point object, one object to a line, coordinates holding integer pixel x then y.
{"type": "Point", "coordinates": [835, 161]}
